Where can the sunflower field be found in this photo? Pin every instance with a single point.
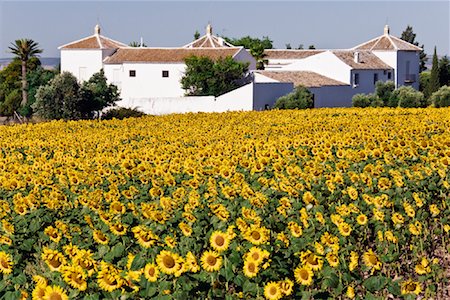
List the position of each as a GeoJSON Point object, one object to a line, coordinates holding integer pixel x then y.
{"type": "Point", "coordinates": [312, 204]}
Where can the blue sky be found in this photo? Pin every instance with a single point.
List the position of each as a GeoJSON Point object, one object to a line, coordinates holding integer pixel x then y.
{"type": "Point", "coordinates": [326, 24]}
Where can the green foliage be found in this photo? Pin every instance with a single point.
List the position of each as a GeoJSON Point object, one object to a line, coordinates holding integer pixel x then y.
{"type": "Point", "coordinates": [122, 113]}
{"type": "Point", "coordinates": [204, 76]}
{"type": "Point", "coordinates": [300, 98]}
{"type": "Point", "coordinates": [10, 81]}
{"type": "Point", "coordinates": [256, 47]}
{"type": "Point", "coordinates": [407, 96]}
{"type": "Point", "coordinates": [361, 100]}
{"type": "Point", "coordinates": [97, 94]}
{"type": "Point", "coordinates": [64, 98]}
{"type": "Point", "coordinates": [196, 35]}
{"type": "Point", "coordinates": [441, 98]}
{"type": "Point", "coordinates": [384, 91]}
{"type": "Point", "coordinates": [424, 79]}
{"type": "Point", "coordinates": [409, 36]}
{"type": "Point", "coordinates": [36, 78]}
{"type": "Point", "coordinates": [136, 44]}
{"type": "Point", "coordinates": [11, 103]}
{"type": "Point", "coordinates": [444, 71]}
{"type": "Point", "coordinates": [59, 99]}
{"type": "Point", "coordinates": [433, 84]}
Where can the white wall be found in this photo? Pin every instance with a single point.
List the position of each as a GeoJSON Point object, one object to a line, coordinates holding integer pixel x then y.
{"type": "Point", "coordinates": [81, 63]}
{"type": "Point", "coordinates": [244, 56]}
{"type": "Point", "coordinates": [414, 66]}
{"type": "Point", "coordinates": [325, 63]}
{"type": "Point", "coordinates": [239, 99]}
{"type": "Point", "coordinates": [332, 96]}
{"type": "Point", "coordinates": [261, 78]}
{"type": "Point", "coordinates": [390, 58]}
{"type": "Point", "coordinates": [366, 83]}
{"type": "Point", "coordinates": [148, 82]}
{"type": "Point", "coordinates": [265, 94]}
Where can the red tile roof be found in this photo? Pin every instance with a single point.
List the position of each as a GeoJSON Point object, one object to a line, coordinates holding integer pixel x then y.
{"type": "Point", "coordinates": [94, 42]}
{"type": "Point", "coordinates": [290, 54]}
{"type": "Point", "coordinates": [367, 60]}
{"type": "Point", "coordinates": [387, 42]}
{"type": "Point", "coordinates": [302, 78]}
{"type": "Point", "coordinates": [169, 55]}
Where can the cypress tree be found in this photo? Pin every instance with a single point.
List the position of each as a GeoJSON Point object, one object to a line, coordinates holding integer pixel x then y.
{"type": "Point", "coordinates": [433, 84]}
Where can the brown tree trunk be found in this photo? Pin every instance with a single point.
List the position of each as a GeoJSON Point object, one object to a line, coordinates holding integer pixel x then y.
{"type": "Point", "coordinates": [24, 84]}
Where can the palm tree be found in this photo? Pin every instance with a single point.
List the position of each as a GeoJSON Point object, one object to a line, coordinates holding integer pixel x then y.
{"type": "Point", "coordinates": [257, 51]}
{"type": "Point", "coordinates": [24, 49]}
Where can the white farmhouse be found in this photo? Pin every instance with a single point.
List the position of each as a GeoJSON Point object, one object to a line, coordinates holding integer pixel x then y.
{"type": "Point", "coordinates": [334, 76]}
{"type": "Point", "coordinates": [149, 77]}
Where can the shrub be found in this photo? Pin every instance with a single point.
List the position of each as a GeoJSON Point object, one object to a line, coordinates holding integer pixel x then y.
{"type": "Point", "coordinates": [12, 103]}
{"type": "Point", "coordinates": [122, 113]}
{"type": "Point", "coordinates": [384, 91]}
{"type": "Point", "coordinates": [300, 98]}
{"type": "Point", "coordinates": [361, 100]}
{"type": "Point", "coordinates": [407, 96]}
{"type": "Point", "coordinates": [441, 98]}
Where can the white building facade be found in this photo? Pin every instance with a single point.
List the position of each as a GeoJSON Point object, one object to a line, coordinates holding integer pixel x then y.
{"type": "Point", "coordinates": [148, 76]}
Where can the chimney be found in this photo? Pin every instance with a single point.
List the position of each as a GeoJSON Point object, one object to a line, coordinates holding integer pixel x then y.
{"type": "Point", "coordinates": [142, 42]}
{"type": "Point", "coordinates": [386, 29]}
{"type": "Point", "coordinates": [97, 30]}
{"type": "Point", "coordinates": [356, 57]}
{"type": "Point", "coordinates": [209, 29]}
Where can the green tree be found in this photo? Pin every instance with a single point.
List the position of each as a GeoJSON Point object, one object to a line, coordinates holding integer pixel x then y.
{"type": "Point", "coordinates": [96, 94]}
{"type": "Point", "coordinates": [361, 100]}
{"type": "Point", "coordinates": [444, 71]}
{"type": "Point", "coordinates": [196, 35]}
{"type": "Point", "coordinates": [255, 46]}
{"type": "Point", "coordinates": [384, 91]}
{"type": "Point", "coordinates": [441, 98]}
{"type": "Point", "coordinates": [36, 78]}
{"type": "Point", "coordinates": [24, 49]}
{"type": "Point", "coordinates": [288, 46]}
{"type": "Point", "coordinates": [433, 84]}
{"type": "Point", "coordinates": [204, 76]}
{"type": "Point", "coordinates": [409, 36]}
{"type": "Point", "coordinates": [137, 44]}
{"type": "Point", "coordinates": [424, 80]}
{"type": "Point", "coordinates": [311, 47]}
{"type": "Point", "coordinates": [300, 98]}
{"type": "Point", "coordinates": [59, 99]}
{"type": "Point", "coordinates": [406, 96]}
{"type": "Point", "coordinates": [10, 81]}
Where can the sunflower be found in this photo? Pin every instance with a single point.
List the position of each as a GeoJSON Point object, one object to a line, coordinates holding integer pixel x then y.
{"type": "Point", "coordinates": [185, 229]}
{"type": "Point", "coordinates": [353, 261]}
{"type": "Point", "coordinates": [151, 272]}
{"type": "Point", "coordinates": [54, 259]}
{"type": "Point", "coordinates": [256, 235]}
{"type": "Point", "coordinates": [256, 254]}
{"type": "Point", "coordinates": [109, 278]}
{"type": "Point", "coordinates": [397, 219]}
{"type": "Point", "coordinates": [423, 267]}
{"type": "Point", "coordinates": [411, 287]}
{"type": "Point", "coordinates": [168, 262]}
{"type": "Point", "coordinates": [272, 291]}
{"type": "Point", "coordinates": [311, 260]}
{"type": "Point", "coordinates": [74, 276]}
{"type": "Point", "coordinates": [303, 275]}
{"type": "Point", "coordinates": [53, 234]}
{"type": "Point", "coordinates": [219, 241]}
{"type": "Point", "coordinates": [333, 259]}
{"type": "Point", "coordinates": [350, 292]}
{"type": "Point", "coordinates": [344, 229]}
{"type": "Point", "coordinates": [371, 260]}
{"type": "Point", "coordinates": [211, 261]}
{"type": "Point", "coordinates": [55, 293]}
{"type": "Point", "coordinates": [352, 193]}
{"type": "Point", "coordinates": [118, 229]}
{"type": "Point", "coordinates": [286, 286]}
{"type": "Point", "coordinates": [251, 268]}
{"type": "Point", "coordinates": [100, 237]}
{"type": "Point", "coordinates": [38, 292]}
{"type": "Point", "coordinates": [361, 219]}
{"type": "Point", "coordinates": [191, 263]}
{"type": "Point", "coordinates": [5, 263]}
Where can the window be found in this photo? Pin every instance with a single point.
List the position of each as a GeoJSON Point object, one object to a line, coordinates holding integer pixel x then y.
{"type": "Point", "coordinates": [375, 78]}
{"type": "Point", "coordinates": [355, 79]}
{"type": "Point", "coordinates": [132, 73]}
{"type": "Point", "coordinates": [389, 75]}
{"type": "Point", "coordinates": [165, 74]}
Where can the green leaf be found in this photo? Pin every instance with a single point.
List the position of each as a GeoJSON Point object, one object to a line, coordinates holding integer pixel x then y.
{"type": "Point", "coordinates": [92, 297]}
{"type": "Point", "coordinates": [35, 225]}
{"type": "Point", "coordinates": [20, 279]}
{"type": "Point", "coordinates": [117, 250]}
{"type": "Point", "coordinates": [375, 283]}
{"type": "Point", "coordinates": [12, 295]}
{"type": "Point", "coordinates": [249, 287]}
{"type": "Point", "coordinates": [150, 291]}
{"type": "Point", "coordinates": [330, 281]}
{"type": "Point", "coordinates": [27, 245]}
{"type": "Point", "coordinates": [394, 288]}
{"type": "Point", "coordinates": [138, 262]}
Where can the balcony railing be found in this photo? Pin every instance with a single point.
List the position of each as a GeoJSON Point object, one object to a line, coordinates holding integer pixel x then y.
{"type": "Point", "coordinates": [410, 78]}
